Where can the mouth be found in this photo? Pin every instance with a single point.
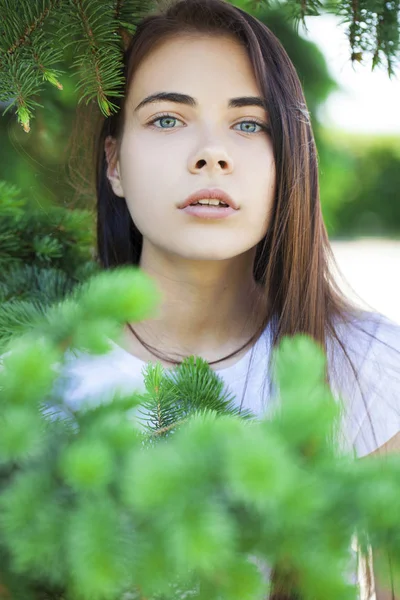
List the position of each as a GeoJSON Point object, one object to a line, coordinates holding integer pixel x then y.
{"type": "Point", "coordinates": [207, 197]}
{"type": "Point", "coordinates": [205, 211]}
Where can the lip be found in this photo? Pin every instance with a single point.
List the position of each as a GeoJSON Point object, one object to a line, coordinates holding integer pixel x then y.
{"type": "Point", "coordinates": [209, 212]}
{"type": "Point", "coordinates": [210, 193]}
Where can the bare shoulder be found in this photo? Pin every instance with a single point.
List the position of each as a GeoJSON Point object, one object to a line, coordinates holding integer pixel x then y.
{"type": "Point", "coordinates": [392, 446]}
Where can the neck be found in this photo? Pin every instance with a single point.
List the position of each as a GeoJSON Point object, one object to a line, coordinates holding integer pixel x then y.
{"type": "Point", "coordinates": [208, 307]}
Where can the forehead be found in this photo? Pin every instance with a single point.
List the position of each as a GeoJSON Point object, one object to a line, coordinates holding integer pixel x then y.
{"type": "Point", "coordinates": [196, 64]}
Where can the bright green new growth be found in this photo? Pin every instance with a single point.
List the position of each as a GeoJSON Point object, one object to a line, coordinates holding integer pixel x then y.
{"type": "Point", "coordinates": [103, 504]}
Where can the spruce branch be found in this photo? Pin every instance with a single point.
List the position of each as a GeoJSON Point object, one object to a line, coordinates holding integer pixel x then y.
{"type": "Point", "coordinates": [93, 507]}
{"type": "Point", "coordinates": [27, 56]}
{"type": "Point", "coordinates": [373, 28]}
{"type": "Point", "coordinates": [387, 34]}
{"type": "Point", "coordinates": [44, 257]}
{"type": "Point", "coordinates": [97, 53]}
{"type": "Point", "coordinates": [35, 20]}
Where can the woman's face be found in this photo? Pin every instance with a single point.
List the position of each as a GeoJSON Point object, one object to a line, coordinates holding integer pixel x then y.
{"type": "Point", "coordinates": [195, 147]}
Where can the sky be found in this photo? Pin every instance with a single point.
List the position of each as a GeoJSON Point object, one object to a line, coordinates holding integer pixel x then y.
{"type": "Point", "coordinates": [369, 101]}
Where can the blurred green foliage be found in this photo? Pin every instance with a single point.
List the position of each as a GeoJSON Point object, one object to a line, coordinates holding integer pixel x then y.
{"type": "Point", "coordinates": [196, 499]}
{"type": "Point", "coordinates": [37, 161]}
{"type": "Point", "coordinates": [44, 254]}
{"type": "Point", "coordinates": [359, 180]}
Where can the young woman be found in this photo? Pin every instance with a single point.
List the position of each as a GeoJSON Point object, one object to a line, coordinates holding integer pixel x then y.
{"type": "Point", "coordinates": [213, 109]}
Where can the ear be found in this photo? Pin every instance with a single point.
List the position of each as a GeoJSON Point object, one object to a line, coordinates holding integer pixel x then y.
{"type": "Point", "coordinates": [113, 175]}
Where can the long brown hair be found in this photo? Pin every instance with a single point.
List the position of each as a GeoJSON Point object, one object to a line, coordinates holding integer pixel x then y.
{"type": "Point", "coordinates": [294, 261]}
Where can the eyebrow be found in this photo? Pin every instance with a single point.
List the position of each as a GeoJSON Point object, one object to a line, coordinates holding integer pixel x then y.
{"type": "Point", "coordinates": [190, 101]}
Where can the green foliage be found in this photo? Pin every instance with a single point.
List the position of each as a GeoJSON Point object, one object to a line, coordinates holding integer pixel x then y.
{"type": "Point", "coordinates": [94, 505]}
{"type": "Point", "coordinates": [380, 19]}
{"type": "Point", "coordinates": [35, 36]}
{"type": "Point", "coordinates": [372, 205]}
{"type": "Point", "coordinates": [44, 256]}
{"type": "Point", "coordinates": [359, 182]}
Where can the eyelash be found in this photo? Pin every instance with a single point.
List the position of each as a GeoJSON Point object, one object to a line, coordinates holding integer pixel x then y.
{"type": "Point", "coordinates": [263, 126]}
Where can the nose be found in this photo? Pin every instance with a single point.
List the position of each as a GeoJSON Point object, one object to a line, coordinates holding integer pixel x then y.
{"type": "Point", "coordinates": [212, 159]}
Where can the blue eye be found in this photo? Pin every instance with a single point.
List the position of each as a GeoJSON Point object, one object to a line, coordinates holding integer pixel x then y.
{"type": "Point", "coordinates": [164, 117]}
{"type": "Point", "coordinates": [252, 123]}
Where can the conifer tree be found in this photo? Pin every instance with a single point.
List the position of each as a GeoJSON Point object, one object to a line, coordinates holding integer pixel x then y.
{"type": "Point", "coordinates": [44, 255]}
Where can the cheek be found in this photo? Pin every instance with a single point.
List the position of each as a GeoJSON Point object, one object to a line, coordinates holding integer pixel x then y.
{"type": "Point", "coordinates": [270, 183]}
{"type": "Point", "coordinates": [268, 174]}
{"type": "Point", "coordinates": [136, 164]}
{"type": "Point", "coordinates": [147, 163]}
{"type": "Point", "coordinates": [263, 187]}
{"type": "Point", "coordinates": [145, 174]}
{"type": "Point", "coordinates": [258, 171]}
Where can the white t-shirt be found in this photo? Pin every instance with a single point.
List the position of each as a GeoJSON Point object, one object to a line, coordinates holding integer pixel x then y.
{"type": "Point", "coordinates": [87, 377]}
{"type": "Point", "coordinates": [372, 409]}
